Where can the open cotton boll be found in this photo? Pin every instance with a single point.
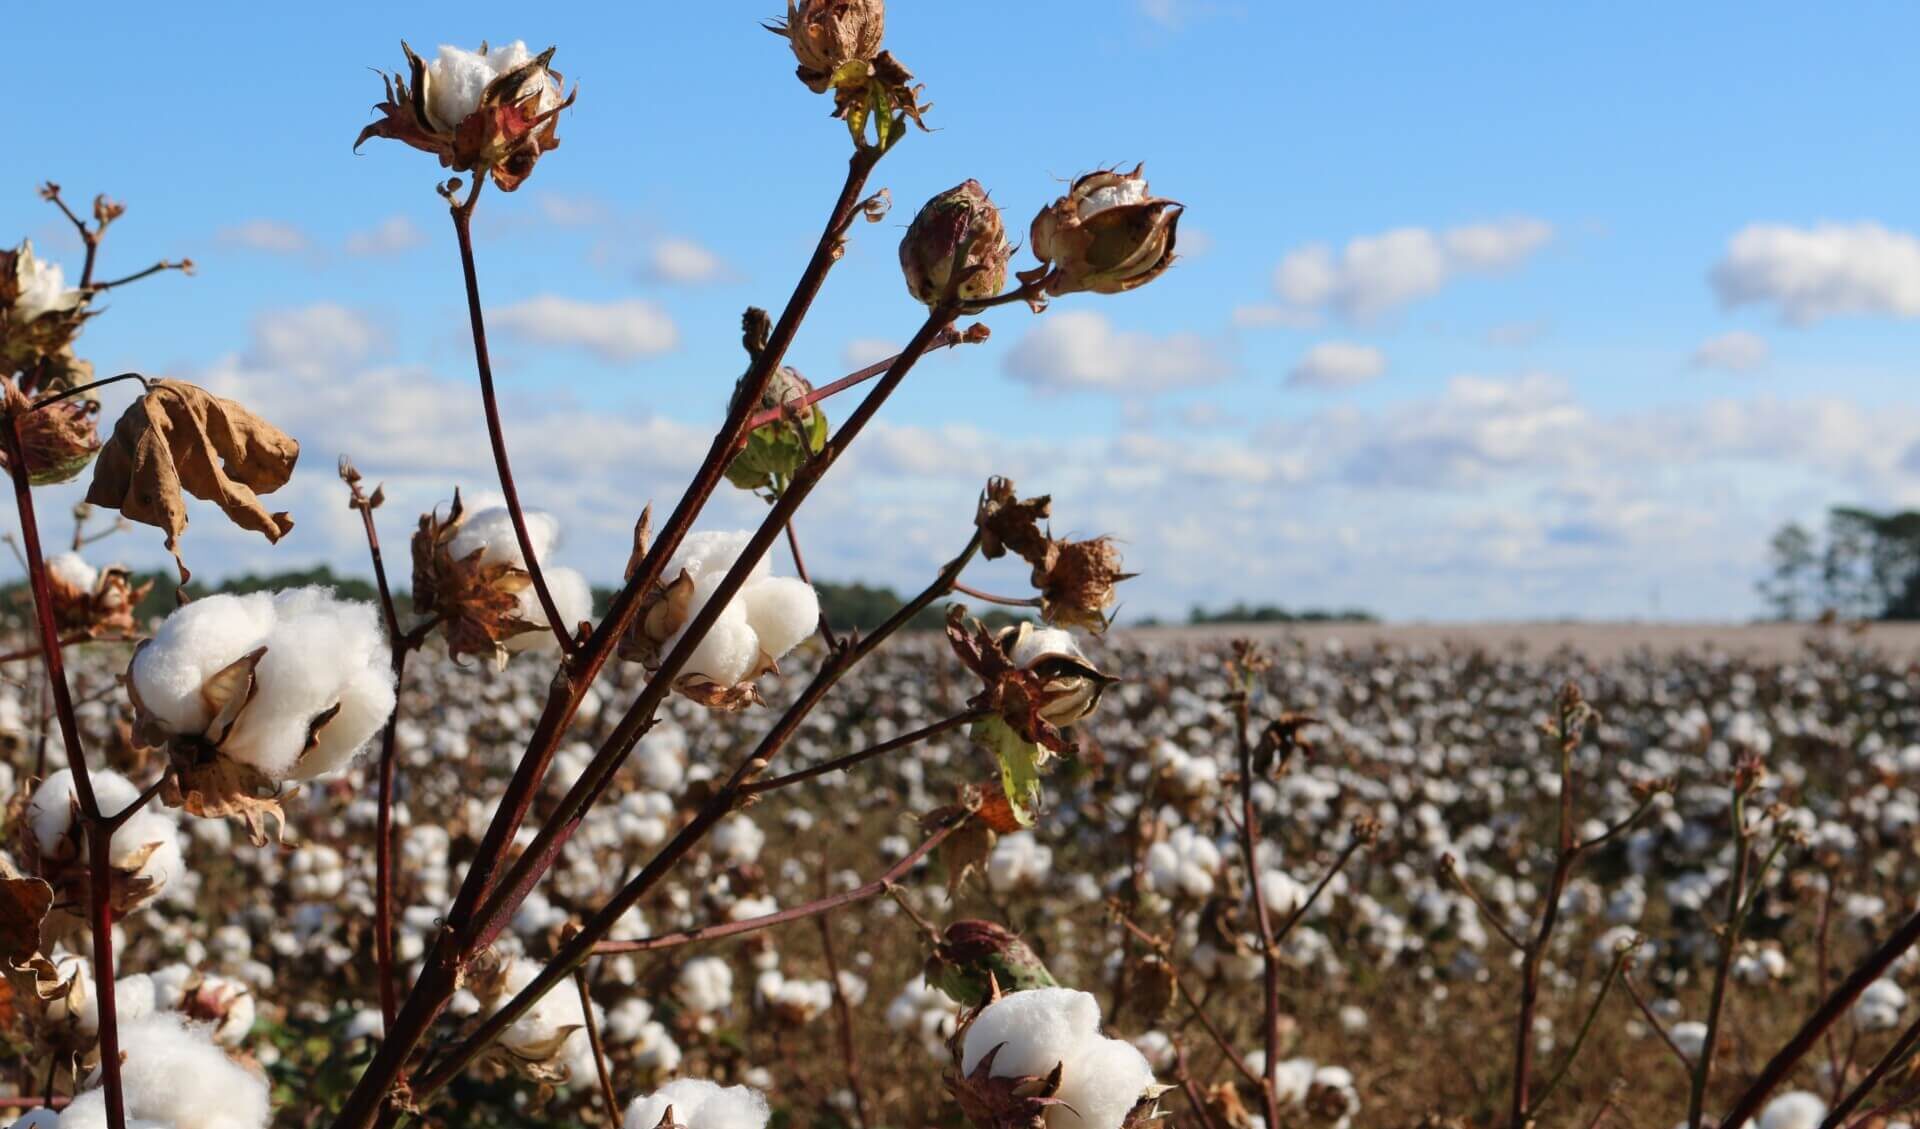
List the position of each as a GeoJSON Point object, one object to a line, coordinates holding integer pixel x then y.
{"type": "Point", "coordinates": [194, 643]}
{"type": "Point", "coordinates": [1796, 1109]}
{"type": "Point", "coordinates": [1879, 1006]}
{"type": "Point", "coordinates": [457, 78]}
{"type": "Point", "coordinates": [1031, 645]}
{"type": "Point", "coordinates": [706, 985]}
{"type": "Point", "coordinates": [782, 611]}
{"type": "Point", "coordinates": [1041, 1027]}
{"type": "Point", "coordinates": [321, 652]}
{"type": "Point", "coordinates": [174, 1075]}
{"type": "Point", "coordinates": [551, 1019]}
{"type": "Point", "coordinates": [72, 570]}
{"type": "Point", "coordinates": [572, 598]}
{"type": "Point", "coordinates": [700, 1104]}
{"type": "Point", "coordinates": [1100, 1087]}
{"type": "Point", "coordinates": [40, 286]}
{"type": "Point", "coordinates": [148, 842]}
{"type": "Point", "coordinates": [490, 532]}
{"type": "Point", "coordinates": [730, 650]}
{"type": "Point", "coordinates": [714, 551]}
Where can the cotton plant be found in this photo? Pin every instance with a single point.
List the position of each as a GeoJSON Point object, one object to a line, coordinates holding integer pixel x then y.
{"type": "Point", "coordinates": [765, 619]}
{"type": "Point", "coordinates": [252, 693]}
{"type": "Point", "coordinates": [174, 1075]}
{"type": "Point", "coordinates": [695, 1103]}
{"type": "Point", "coordinates": [1040, 1054]}
{"type": "Point", "coordinates": [145, 852]}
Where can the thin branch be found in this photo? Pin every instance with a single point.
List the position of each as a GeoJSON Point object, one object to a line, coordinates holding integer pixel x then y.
{"type": "Point", "coordinates": [843, 1017]}
{"type": "Point", "coordinates": [1659, 1028]}
{"type": "Point", "coordinates": [1579, 1040]}
{"type": "Point", "coordinates": [607, 1095]}
{"type": "Point", "coordinates": [1450, 868]}
{"type": "Point", "coordinates": [162, 265]}
{"type": "Point", "coordinates": [1003, 601]}
{"type": "Point", "coordinates": [45, 401]}
{"type": "Point", "coordinates": [839, 764]}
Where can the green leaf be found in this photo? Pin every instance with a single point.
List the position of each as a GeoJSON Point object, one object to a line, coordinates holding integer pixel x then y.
{"type": "Point", "coordinates": [1019, 765]}
{"type": "Point", "coordinates": [774, 453]}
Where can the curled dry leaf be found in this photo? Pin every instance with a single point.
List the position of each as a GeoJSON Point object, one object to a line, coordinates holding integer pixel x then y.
{"type": "Point", "coordinates": [179, 438]}
{"type": "Point", "coordinates": [24, 903]}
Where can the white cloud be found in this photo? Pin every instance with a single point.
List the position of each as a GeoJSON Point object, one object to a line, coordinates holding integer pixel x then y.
{"type": "Point", "coordinates": [1337, 364]}
{"type": "Point", "coordinates": [1081, 351]}
{"type": "Point", "coordinates": [563, 210]}
{"type": "Point", "coordinates": [684, 261]}
{"type": "Point", "coordinates": [389, 237]}
{"type": "Point", "coordinates": [864, 351]}
{"type": "Point", "coordinates": [1738, 351]}
{"type": "Point", "coordinates": [1373, 274]}
{"type": "Point", "coordinates": [1823, 271]}
{"type": "Point", "coordinates": [269, 236]}
{"type": "Point", "coordinates": [620, 330]}
{"type": "Point", "coordinates": [313, 340]}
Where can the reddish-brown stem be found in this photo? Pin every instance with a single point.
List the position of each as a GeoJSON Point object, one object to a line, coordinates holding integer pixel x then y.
{"type": "Point", "coordinates": [839, 764]}
{"type": "Point", "coordinates": [1534, 955]}
{"type": "Point", "coordinates": [843, 1018]}
{"type": "Point", "coordinates": [89, 236]}
{"type": "Point", "coordinates": [136, 276]}
{"type": "Point", "coordinates": [1653, 1020]}
{"type": "Point", "coordinates": [758, 420]}
{"type": "Point", "coordinates": [368, 1101]}
{"type": "Point", "coordinates": [536, 568]}
{"type": "Point", "coordinates": [45, 401]}
{"type": "Point", "coordinates": [99, 831]}
{"type": "Point", "coordinates": [1896, 1054]}
{"type": "Point", "coordinates": [1823, 1017]}
{"type": "Point", "coordinates": [1723, 966]}
{"type": "Point", "coordinates": [1003, 601]}
{"type": "Point", "coordinates": [607, 1096]}
{"type": "Point", "coordinates": [1269, 948]}
{"type": "Point", "coordinates": [1197, 1005]}
{"type": "Point", "coordinates": [383, 845]}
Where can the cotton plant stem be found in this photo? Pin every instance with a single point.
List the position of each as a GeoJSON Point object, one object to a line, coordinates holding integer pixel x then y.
{"type": "Point", "coordinates": [607, 1096]}
{"type": "Point", "coordinates": [1003, 601]}
{"type": "Point", "coordinates": [760, 419]}
{"type": "Point", "coordinates": [1896, 1054]}
{"type": "Point", "coordinates": [843, 1020]}
{"type": "Point", "coordinates": [1198, 1006]}
{"type": "Point", "coordinates": [383, 846]}
{"type": "Point", "coordinates": [440, 968]}
{"type": "Point", "coordinates": [1723, 967]}
{"type": "Point", "coordinates": [1534, 955]}
{"type": "Point", "coordinates": [536, 569]}
{"type": "Point", "coordinates": [841, 764]}
{"type": "Point", "coordinates": [1269, 947]}
{"type": "Point", "coordinates": [526, 869]}
{"type": "Point", "coordinates": [1580, 1039]}
{"type": "Point", "coordinates": [99, 831]}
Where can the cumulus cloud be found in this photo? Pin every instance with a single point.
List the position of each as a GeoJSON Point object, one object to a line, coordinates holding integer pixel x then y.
{"type": "Point", "coordinates": [267, 236]}
{"type": "Point", "coordinates": [1377, 273]}
{"type": "Point", "coordinates": [1738, 351]}
{"type": "Point", "coordinates": [1831, 269]}
{"type": "Point", "coordinates": [389, 237]}
{"type": "Point", "coordinates": [313, 339]}
{"type": "Point", "coordinates": [1081, 351]}
{"type": "Point", "coordinates": [1337, 364]}
{"type": "Point", "coordinates": [684, 261]}
{"type": "Point", "coordinates": [864, 351]}
{"type": "Point", "coordinates": [620, 330]}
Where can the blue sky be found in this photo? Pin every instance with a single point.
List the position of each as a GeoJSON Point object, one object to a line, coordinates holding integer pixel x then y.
{"type": "Point", "coordinates": [1510, 311]}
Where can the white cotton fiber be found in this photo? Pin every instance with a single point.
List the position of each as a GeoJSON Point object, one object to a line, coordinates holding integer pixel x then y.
{"type": "Point", "coordinates": [572, 597]}
{"type": "Point", "coordinates": [192, 644]}
{"type": "Point", "coordinates": [457, 78]}
{"type": "Point", "coordinates": [714, 551]}
{"type": "Point", "coordinates": [782, 611]}
{"type": "Point", "coordinates": [706, 985]}
{"type": "Point", "coordinates": [73, 571]}
{"type": "Point", "coordinates": [43, 1118]}
{"type": "Point", "coordinates": [1040, 1027]}
{"type": "Point", "coordinates": [700, 1104]}
{"type": "Point", "coordinates": [730, 648]}
{"type": "Point", "coordinates": [321, 652]}
{"type": "Point", "coordinates": [50, 814]}
{"type": "Point", "coordinates": [1101, 1079]}
{"type": "Point", "coordinates": [1101, 1086]}
{"type": "Point", "coordinates": [1037, 642]}
{"type": "Point", "coordinates": [552, 1016]}
{"type": "Point", "coordinates": [1796, 1109]}
{"type": "Point", "coordinates": [490, 531]}
{"type": "Point", "coordinates": [174, 1074]}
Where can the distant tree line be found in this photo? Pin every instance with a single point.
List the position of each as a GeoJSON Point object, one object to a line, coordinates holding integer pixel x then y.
{"type": "Point", "coordinates": [1269, 613]}
{"type": "Point", "coordinates": [1864, 565]}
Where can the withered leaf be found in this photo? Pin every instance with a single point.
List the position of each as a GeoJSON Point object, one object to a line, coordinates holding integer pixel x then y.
{"type": "Point", "coordinates": [24, 903]}
{"type": "Point", "coordinates": [179, 437]}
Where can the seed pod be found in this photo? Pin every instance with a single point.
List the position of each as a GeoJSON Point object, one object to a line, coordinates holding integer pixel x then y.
{"type": "Point", "coordinates": [956, 248]}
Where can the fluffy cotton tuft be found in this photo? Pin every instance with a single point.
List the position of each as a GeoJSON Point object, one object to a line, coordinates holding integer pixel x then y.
{"type": "Point", "coordinates": [457, 78]}
{"type": "Point", "coordinates": [768, 617]}
{"type": "Point", "coordinates": [1796, 1109]}
{"type": "Point", "coordinates": [174, 1075]}
{"type": "Point", "coordinates": [1101, 1079]}
{"type": "Point", "coordinates": [72, 570]}
{"type": "Point", "coordinates": [706, 985]}
{"type": "Point", "coordinates": [1879, 1006]}
{"type": "Point", "coordinates": [489, 532]}
{"type": "Point", "coordinates": [554, 1017]}
{"type": "Point", "coordinates": [51, 815]}
{"type": "Point", "coordinates": [321, 652]}
{"type": "Point", "coordinates": [700, 1104]}
{"type": "Point", "coordinates": [41, 286]}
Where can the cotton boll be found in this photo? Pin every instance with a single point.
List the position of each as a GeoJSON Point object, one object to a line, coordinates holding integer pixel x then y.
{"type": "Point", "coordinates": [174, 1074]}
{"type": "Point", "coordinates": [148, 843]}
{"type": "Point", "coordinates": [1100, 1086]}
{"type": "Point", "coordinates": [1879, 1006]}
{"type": "Point", "coordinates": [490, 532]}
{"type": "Point", "coordinates": [700, 1104]}
{"type": "Point", "coordinates": [1041, 641]}
{"type": "Point", "coordinates": [706, 984]}
{"type": "Point", "coordinates": [1041, 1027]}
{"type": "Point", "coordinates": [572, 598]}
{"type": "Point", "coordinates": [322, 652]}
{"type": "Point", "coordinates": [538, 1033]}
{"type": "Point", "coordinates": [1796, 1109]}
{"type": "Point", "coordinates": [737, 839]}
{"type": "Point", "coordinates": [712, 553]}
{"type": "Point", "coordinates": [73, 570]}
{"type": "Point", "coordinates": [44, 1118]}
{"type": "Point", "coordinates": [192, 644]}
{"type": "Point", "coordinates": [456, 80]}
{"type": "Point", "coordinates": [782, 611]}
{"type": "Point", "coordinates": [730, 650]}
{"type": "Point", "coordinates": [1690, 1037]}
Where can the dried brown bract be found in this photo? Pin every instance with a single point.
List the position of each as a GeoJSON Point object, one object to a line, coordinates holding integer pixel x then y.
{"type": "Point", "coordinates": [179, 439]}
{"type": "Point", "coordinates": [105, 610]}
{"type": "Point", "coordinates": [477, 602]}
{"type": "Point", "coordinates": [1009, 523]}
{"type": "Point", "coordinates": [1076, 580]}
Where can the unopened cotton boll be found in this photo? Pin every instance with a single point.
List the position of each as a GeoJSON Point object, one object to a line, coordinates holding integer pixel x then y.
{"type": "Point", "coordinates": [1031, 1032]}
{"type": "Point", "coordinates": [322, 688]}
{"type": "Point", "coordinates": [174, 1075]}
{"type": "Point", "coordinates": [700, 1104]}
